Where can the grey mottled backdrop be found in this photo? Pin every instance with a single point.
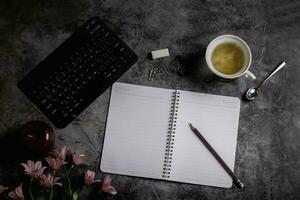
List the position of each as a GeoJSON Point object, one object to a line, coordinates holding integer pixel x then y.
{"type": "Point", "coordinates": [268, 147]}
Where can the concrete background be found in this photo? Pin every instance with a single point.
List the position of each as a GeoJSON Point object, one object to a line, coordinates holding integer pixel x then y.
{"type": "Point", "coordinates": [267, 158]}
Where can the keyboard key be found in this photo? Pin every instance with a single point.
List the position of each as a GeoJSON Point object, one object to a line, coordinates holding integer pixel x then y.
{"type": "Point", "coordinates": [77, 72]}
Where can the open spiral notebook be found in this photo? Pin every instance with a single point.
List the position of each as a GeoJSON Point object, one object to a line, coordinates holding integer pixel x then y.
{"type": "Point", "coordinates": [147, 134]}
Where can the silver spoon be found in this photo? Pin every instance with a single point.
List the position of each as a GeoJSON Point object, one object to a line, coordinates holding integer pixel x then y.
{"type": "Point", "coordinates": [252, 92]}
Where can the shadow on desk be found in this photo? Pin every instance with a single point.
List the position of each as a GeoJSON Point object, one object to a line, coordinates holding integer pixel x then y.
{"type": "Point", "coordinates": [11, 150]}
{"type": "Point", "coordinates": [194, 68]}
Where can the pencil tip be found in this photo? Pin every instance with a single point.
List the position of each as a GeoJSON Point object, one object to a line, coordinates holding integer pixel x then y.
{"type": "Point", "coordinates": [240, 184]}
{"type": "Point", "coordinates": [191, 126]}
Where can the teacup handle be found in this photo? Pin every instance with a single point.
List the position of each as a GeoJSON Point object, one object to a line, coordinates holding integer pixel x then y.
{"type": "Point", "coordinates": [250, 75]}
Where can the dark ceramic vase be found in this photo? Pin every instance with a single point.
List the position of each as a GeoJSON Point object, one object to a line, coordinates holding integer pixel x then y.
{"type": "Point", "coordinates": [37, 137]}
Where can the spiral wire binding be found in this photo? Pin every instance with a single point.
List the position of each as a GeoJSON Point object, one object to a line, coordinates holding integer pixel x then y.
{"type": "Point", "coordinates": [171, 135]}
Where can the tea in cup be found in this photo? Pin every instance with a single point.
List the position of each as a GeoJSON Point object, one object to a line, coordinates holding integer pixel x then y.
{"type": "Point", "coordinates": [229, 57]}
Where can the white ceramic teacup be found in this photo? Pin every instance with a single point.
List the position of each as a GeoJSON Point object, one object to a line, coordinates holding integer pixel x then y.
{"type": "Point", "coordinates": [244, 71]}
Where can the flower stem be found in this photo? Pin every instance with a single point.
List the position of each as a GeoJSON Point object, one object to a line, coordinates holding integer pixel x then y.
{"type": "Point", "coordinates": [51, 192]}
{"type": "Point", "coordinates": [30, 189]}
{"type": "Point", "coordinates": [69, 183]}
{"type": "Point", "coordinates": [43, 193]}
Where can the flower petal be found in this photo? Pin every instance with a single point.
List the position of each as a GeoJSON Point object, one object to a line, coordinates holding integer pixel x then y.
{"type": "Point", "coordinates": [56, 179]}
{"type": "Point", "coordinates": [17, 194]}
{"type": "Point", "coordinates": [19, 191]}
{"type": "Point", "coordinates": [38, 165]}
{"type": "Point", "coordinates": [12, 194]}
{"type": "Point", "coordinates": [63, 150]}
{"type": "Point", "coordinates": [112, 190]}
{"type": "Point", "coordinates": [42, 169]}
{"type": "Point", "coordinates": [97, 180]}
{"type": "Point", "coordinates": [107, 180]}
{"type": "Point", "coordinates": [91, 173]}
{"type": "Point", "coordinates": [25, 166]}
{"type": "Point", "coordinates": [30, 164]}
{"type": "Point", "coordinates": [60, 184]}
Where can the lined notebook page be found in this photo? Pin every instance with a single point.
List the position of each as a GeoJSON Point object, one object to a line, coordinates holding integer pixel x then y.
{"type": "Point", "coordinates": [216, 117]}
{"type": "Point", "coordinates": [136, 130]}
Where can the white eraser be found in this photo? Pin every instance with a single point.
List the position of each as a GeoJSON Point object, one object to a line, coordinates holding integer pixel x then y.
{"type": "Point", "coordinates": [160, 53]}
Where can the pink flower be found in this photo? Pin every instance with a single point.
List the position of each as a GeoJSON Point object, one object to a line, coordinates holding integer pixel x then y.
{"type": "Point", "coordinates": [55, 163]}
{"type": "Point", "coordinates": [89, 178]}
{"type": "Point", "coordinates": [49, 181]}
{"type": "Point", "coordinates": [34, 170]}
{"type": "Point", "coordinates": [17, 194]}
{"type": "Point", "coordinates": [106, 186]}
{"type": "Point", "coordinates": [78, 158]}
{"type": "Point", "coordinates": [60, 154]}
{"type": "Point", "coordinates": [2, 189]}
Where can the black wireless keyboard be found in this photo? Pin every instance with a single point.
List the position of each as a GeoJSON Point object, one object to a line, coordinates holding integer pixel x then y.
{"type": "Point", "coordinates": [77, 72]}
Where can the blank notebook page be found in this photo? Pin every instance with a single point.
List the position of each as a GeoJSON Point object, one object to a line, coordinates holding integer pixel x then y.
{"type": "Point", "coordinates": [216, 118]}
{"type": "Point", "coordinates": [136, 130]}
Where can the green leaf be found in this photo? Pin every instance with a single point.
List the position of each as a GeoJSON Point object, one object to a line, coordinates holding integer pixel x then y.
{"type": "Point", "coordinates": [75, 196]}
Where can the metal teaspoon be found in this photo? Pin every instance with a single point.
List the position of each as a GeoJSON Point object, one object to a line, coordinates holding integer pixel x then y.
{"type": "Point", "coordinates": [252, 92]}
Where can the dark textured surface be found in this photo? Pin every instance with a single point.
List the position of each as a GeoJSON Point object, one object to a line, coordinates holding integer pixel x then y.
{"type": "Point", "coordinates": [267, 157]}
